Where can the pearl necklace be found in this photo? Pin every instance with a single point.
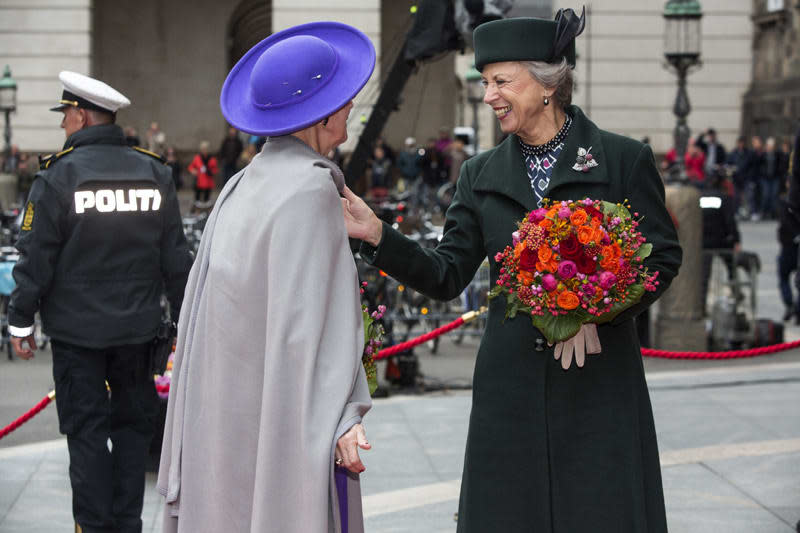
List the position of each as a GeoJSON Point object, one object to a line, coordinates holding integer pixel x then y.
{"type": "Point", "coordinates": [541, 149]}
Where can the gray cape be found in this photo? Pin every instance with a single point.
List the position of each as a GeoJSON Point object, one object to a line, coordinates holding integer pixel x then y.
{"type": "Point", "coordinates": [267, 374]}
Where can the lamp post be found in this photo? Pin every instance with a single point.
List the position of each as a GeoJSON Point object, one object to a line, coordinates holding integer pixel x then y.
{"type": "Point", "coordinates": [8, 104]}
{"type": "Point", "coordinates": [679, 324]}
{"type": "Point", "coordinates": [475, 97]}
{"type": "Point", "coordinates": [682, 51]}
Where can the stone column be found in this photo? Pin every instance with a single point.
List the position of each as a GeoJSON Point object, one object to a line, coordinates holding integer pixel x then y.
{"type": "Point", "coordinates": [679, 324]}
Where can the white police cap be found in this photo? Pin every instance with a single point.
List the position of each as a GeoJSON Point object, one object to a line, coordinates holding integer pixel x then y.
{"type": "Point", "coordinates": [89, 93]}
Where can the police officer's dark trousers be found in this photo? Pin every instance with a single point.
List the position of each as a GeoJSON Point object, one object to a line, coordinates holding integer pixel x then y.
{"type": "Point", "coordinates": [107, 477]}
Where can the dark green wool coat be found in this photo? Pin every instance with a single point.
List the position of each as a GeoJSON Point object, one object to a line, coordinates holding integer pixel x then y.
{"type": "Point", "coordinates": [550, 451]}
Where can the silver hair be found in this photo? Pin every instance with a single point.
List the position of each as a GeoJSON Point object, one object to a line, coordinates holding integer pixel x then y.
{"type": "Point", "coordinates": [556, 76]}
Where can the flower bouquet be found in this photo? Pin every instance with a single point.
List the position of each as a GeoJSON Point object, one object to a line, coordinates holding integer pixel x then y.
{"type": "Point", "coordinates": [162, 381]}
{"type": "Point", "coordinates": [574, 263]}
{"type": "Point", "coordinates": [373, 340]}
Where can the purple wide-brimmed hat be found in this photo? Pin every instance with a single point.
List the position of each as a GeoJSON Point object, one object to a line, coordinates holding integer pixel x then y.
{"type": "Point", "coordinates": [296, 77]}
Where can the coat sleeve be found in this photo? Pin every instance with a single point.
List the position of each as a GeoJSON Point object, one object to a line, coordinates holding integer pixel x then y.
{"type": "Point", "coordinates": [645, 191]}
{"type": "Point", "coordinates": [442, 272]}
{"type": "Point", "coordinates": [176, 261]}
{"type": "Point", "coordinates": [39, 245]}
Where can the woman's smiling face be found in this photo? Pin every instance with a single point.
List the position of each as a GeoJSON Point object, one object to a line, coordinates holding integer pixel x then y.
{"type": "Point", "coordinates": [513, 94]}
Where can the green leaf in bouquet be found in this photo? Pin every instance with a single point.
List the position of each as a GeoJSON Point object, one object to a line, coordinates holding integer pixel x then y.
{"type": "Point", "coordinates": [615, 210]}
{"type": "Point", "coordinates": [496, 291]}
{"type": "Point", "coordinates": [368, 320]}
{"type": "Point", "coordinates": [644, 250]}
{"type": "Point", "coordinates": [557, 328]}
{"type": "Point", "coordinates": [635, 293]}
{"type": "Point", "coordinates": [372, 381]}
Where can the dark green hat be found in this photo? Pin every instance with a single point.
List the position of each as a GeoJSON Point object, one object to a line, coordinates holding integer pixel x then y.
{"type": "Point", "coordinates": [528, 39]}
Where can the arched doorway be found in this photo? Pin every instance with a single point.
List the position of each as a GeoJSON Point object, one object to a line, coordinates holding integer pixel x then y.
{"type": "Point", "coordinates": [250, 23]}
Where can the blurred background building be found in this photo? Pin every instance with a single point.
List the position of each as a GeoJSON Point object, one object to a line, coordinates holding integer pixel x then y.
{"type": "Point", "coordinates": [170, 58]}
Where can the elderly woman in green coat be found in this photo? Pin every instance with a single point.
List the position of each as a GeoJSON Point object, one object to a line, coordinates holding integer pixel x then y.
{"type": "Point", "coordinates": [549, 449]}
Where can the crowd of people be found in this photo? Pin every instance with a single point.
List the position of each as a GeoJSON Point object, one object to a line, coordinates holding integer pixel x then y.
{"type": "Point", "coordinates": [754, 173]}
{"type": "Point", "coordinates": [423, 168]}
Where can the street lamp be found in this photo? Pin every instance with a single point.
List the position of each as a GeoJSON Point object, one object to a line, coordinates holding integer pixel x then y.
{"type": "Point", "coordinates": [474, 97]}
{"type": "Point", "coordinates": [8, 104]}
{"type": "Point", "coordinates": [682, 37]}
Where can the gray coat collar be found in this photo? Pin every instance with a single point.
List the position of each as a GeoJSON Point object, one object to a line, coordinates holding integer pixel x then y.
{"type": "Point", "coordinates": [293, 144]}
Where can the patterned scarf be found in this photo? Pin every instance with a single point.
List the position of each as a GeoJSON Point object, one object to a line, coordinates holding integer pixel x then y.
{"type": "Point", "coordinates": [540, 168]}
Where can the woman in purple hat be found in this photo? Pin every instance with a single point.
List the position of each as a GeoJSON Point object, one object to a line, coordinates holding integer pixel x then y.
{"type": "Point", "coordinates": [268, 390]}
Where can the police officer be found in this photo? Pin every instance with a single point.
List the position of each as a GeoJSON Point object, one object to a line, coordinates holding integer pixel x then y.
{"type": "Point", "coordinates": [720, 230]}
{"type": "Point", "coordinates": [101, 241]}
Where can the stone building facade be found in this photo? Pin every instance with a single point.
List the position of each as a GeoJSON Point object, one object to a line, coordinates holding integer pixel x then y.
{"type": "Point", "coordinates": [772, 103]}
{"type": "Point", "coordinates": [170, 57]}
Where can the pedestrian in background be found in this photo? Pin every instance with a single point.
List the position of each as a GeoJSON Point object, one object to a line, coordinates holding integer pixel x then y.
{"type": "Point", "coordinates": [755, 173]}
{"type": "Point", "coordinates": [101, 240]}
{"type": "Point", "coordinates": [714, 151]}
{"type": "Point", "coordinates": [785, 156]}
{"type": "Point", "coordinates": [156, 139]}
{"type": "Point", "coordinates": [229, 152]}
{"type": "Point", "coordinates": [695, 161]}
{"type": "Point", "coordinates": [175, 167]}
{"type": "Point", "coordinates": [455, 151]}
{"type": "Point", "coordinates": [381, 170]}
{"type": "Point", "coordinates": [739, 159]}
{"type": "Point", "coordinates": [408, 162]}
{"type": "Point", "coordinates": [203, 167]}
{"type": "Point", "coordinates": [721, 235]}
{"type": "Point", "coordinates": [774, 174]}
{"type": "Point", "coordinates": [788, 234]}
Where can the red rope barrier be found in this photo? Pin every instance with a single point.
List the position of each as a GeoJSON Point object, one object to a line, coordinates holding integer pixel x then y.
{"type": "Point", "coordinates": [27, 416]}
{"type": "Point", "coordinates": [404, 346]}
{"type": "Point", "coordinates": [647, 352]}
{"type": "Point", "coordinates": [730, 354]}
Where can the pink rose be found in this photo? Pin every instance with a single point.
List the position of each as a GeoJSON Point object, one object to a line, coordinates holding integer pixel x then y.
{"type": "Point", "coordinates": [537, 215]}
{"type": "Point", "coordinates": [549, 282]}
{"type": "Point", "coordinates": [567, 269]}
{"type": "Point", "coordinates": [564, 212]}
{"type": "Point", "coordinates": [607, 279]}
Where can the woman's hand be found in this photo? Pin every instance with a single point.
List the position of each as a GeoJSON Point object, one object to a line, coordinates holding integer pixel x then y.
{"type": "Point", "coordinates": [359, 219]}
{"type": "Point", "coordinates": [347, 448]}
{"type": "Point", "coordinates": [584, 342]}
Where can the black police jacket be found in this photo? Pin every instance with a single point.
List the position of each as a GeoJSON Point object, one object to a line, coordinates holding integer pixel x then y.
{"type": "Point", "coordinates": [101, 240]}
{"type": "Point", "coordinates": [720, 229]}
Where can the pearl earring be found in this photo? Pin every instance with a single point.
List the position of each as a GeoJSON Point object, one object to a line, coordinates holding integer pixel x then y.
{"type": "Point", "coordinates": [546, 101]}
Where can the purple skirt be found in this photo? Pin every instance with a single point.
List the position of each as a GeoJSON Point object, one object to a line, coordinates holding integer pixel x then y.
{"type": "Point", "coordinates": [340, 476]}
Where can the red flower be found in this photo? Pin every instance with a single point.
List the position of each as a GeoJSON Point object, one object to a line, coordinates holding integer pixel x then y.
{"type": "Point", "coordinates": [594, 212]}
{"type": "Point", "coordinates": [586, 265]}
{"type": "Point", "coordinates": [570, 248]}
{"type": "Point", "coordinates": [528, 259]}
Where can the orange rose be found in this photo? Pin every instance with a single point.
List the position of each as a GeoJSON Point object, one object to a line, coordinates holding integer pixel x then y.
{"type": "Point", "coordinates": [545, 253]}
{"type": "Point", "coordinates": [568, 300]}
{"type": "Point", "coordinates": [545, 223]}
{"type": "Point", "coordinates": [617, 250]}
{"type": "Point", "coordinates": [525, 277]}
{"type": "Point", "coordinates": [596, 222]}
{"type": "Point", "coordinates": [610, 263]}
{"type": "Point", "coordinates": [585, 234]}
{"type": "Point", "coordinates": [578, 218]}
{"type": "Point", "coordinates": [598, 235]}
{"type": "Point", "coordinates": [608, 251]}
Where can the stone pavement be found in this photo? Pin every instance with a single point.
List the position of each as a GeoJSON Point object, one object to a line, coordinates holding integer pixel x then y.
{"type": "Point", "coordinates": [729, 440]}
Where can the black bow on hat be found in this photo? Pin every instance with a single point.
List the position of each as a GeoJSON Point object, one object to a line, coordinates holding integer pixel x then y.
{"type": "Point", "coordinates": [568, 26]}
